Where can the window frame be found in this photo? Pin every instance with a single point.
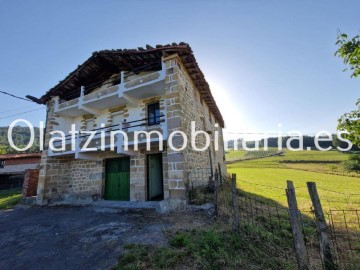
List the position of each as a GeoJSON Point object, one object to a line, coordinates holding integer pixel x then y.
{"type": "Point", "coordinates": [155, 120]}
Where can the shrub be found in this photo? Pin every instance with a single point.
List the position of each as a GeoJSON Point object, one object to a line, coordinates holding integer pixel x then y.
{"type": "Point", "coordinates": [353, 164]}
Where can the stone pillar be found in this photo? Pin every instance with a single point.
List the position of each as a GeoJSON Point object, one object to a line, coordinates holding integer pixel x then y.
{"type": "Point", "coordinates": [43, 179]}
{"type": "Point", "coordinates": [175, 159]}
{"type": "Point", "coordinates": [31, 178]}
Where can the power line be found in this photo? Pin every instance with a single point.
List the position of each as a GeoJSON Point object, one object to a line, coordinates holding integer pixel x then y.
{"type": "Point", "coordinates": [16, 109]}
{"type": "Point", "coordinates": [15, 96]}
{"type": "Point", "coordinates": [21, 113]}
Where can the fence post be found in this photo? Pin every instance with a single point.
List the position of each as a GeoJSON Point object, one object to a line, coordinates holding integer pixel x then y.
{"type": "Point", "coordinates": [220, 178]}
{"type": "Point", "coordinates": [216, 192]}
{"type": "Point", "coordinates": [235, 199]}
{"type": "Point", "coordinates": [300, 249]}
{"type": "Point", "coordinates": [322, 228]}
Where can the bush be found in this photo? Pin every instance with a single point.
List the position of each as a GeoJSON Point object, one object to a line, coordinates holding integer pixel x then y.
{"type": "Point", "coordinates": [353, 164]}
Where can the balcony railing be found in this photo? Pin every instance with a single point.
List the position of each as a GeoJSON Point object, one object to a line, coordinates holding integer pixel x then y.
{"type": "Point", "coordinates": [96, 143]}
{"type": "Point", "coordinates": [127, 88]}
{"type": "Point", "coordinates": [98, 94]}
{"type": "Point", "coordinates": [67, 104]}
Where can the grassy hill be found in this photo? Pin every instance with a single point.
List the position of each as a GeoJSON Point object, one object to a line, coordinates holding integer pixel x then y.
{"type": "Point", "coordinates": [266, 177]}
{"type": "Point", "coordinates": [315, 161]}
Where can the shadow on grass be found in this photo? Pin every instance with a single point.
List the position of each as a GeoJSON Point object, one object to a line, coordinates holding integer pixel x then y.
{"type": "Point", "coordinates": [268, 214]}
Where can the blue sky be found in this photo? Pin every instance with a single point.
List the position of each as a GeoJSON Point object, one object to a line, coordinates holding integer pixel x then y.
{"type": "Point", "coordinates": [267, 62]}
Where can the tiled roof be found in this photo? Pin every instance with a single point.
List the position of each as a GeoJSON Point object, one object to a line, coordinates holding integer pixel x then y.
{"type": "Point", "coordinates": [103, 64]}
{"type": "Point", "coordinates": [22, 155]}
{"type": "Point", "coordinates": [15, 169]}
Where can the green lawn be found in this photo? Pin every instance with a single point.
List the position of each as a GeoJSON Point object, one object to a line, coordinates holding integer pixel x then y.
{"type": "Point", "coordinates": [266, 177]}
{"type": "Point", "coordinates": [9, 198]}
{"type": "Point", "coordinates": [335, 191]}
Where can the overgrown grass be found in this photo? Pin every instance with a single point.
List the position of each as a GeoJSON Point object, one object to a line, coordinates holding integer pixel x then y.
{"type": "Point", "coordinates": [200, 195]}
{"type": "Point", "coordinates": [9, 198]}
{"type": "Point", "coordinates": [215, 247]}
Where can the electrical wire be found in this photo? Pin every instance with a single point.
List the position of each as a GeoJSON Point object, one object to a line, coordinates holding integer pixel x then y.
{"type": "Point", "coordinates": [16, 109]}
{"type": "Point", "coordinates": [22, 113]}
{"type": "Point", "coordinates": [6, 93]}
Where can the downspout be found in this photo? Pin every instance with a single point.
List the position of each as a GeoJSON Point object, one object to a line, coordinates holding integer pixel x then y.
{"type": "Point", "coordinates": [45, 128]}
{"type": "Point", "coordinates": [210, 160]}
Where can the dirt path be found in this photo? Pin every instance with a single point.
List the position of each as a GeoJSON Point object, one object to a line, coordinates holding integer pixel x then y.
{"type": "Point", "coordinates": [81, 237]}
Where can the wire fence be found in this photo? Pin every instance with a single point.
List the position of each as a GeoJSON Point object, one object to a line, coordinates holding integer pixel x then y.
{"type": "Point", "coordinates": [345, 236]}
{"type": "Point", "coordinates": [331, 242]}
{"type": "Point", "coordinates": [263, 216]}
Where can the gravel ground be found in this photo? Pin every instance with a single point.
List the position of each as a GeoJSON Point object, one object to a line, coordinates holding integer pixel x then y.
{"type": "Point", "coordinates": [82, 237]}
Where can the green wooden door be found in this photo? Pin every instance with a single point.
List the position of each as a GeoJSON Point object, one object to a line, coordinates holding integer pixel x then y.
{"type": "Point", "coordinates": [117, 179]}
{"type": "Point", "coordinates": [155, 177]}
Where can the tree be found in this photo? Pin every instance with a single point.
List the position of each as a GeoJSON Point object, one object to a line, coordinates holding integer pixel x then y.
{"type": "Point", "coordinates": [349, 51]}
{"type": "Point", "coordinates": [353, 164]}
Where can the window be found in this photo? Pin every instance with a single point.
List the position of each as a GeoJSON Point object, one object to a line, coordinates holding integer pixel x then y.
{"type": "Point", "coordinates": [89, 124]}
{"type": "Point", "coordinates": [116, 120]}
{"type": "Point", "coordinates": [153, 114]}
{"type": "Point", "coordinates": [2, 163]}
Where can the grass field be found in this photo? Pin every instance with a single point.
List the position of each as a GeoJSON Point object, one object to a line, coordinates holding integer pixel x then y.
{"type": "Point", "coordinates": [267, 177]}
{"type": "Point", "coordinates": [9, 198]}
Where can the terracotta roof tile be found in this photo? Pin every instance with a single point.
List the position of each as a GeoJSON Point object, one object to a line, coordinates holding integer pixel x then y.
{"type": "Point", "coordinates": [20, 155]}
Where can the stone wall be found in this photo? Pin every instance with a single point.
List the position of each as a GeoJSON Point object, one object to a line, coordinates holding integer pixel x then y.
{"type": "Point", "coordinates": [174, 114]}
{"type": "Point", "coordinates": [65, 178]}
{"type": "Point", "coordinates": [184, 105]}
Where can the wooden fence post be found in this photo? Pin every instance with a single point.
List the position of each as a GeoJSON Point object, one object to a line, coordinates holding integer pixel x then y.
{"type": "Point", "coordinates": [216, 192]}
{"type": "Point", "coordinates": [322, 228]}
{"type": "Point", "coordinates": [235, 199]}
{"type": "Point", "coordinates": [300, 249]}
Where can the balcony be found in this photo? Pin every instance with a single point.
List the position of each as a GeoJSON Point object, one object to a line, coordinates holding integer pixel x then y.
{"type": "Point", "coordinates": [101, 141]}
{"type": "Point", "coordinates": [128, 89]}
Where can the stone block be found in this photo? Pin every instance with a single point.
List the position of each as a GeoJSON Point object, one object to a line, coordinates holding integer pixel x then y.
{"type": "Point", "coordinates": [173, 184]}
{"type": "Point", "coordinates": [175, 157]}
{"type": "Point", "coordinates": [176, 174]}
{"type": "Point", "coordinates": [174, 122]}
{"type": "Point", "coordinates": [177, 194]}
{"type": "Point", "coordinates": [181, 184]}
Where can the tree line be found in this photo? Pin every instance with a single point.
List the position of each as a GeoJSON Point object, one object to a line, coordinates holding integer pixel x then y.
{"type": "Point", "coordinates": [21, 137]}
{"type": "Point", "coordinates": [308, 142]}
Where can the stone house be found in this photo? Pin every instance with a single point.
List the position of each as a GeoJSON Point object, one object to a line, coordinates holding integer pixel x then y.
{"type": "Point", "coordinates": [146, 89]}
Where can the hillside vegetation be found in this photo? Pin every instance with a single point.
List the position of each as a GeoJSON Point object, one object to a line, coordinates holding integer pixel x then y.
{"type": "Point", "coordinates": [21, 137]}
